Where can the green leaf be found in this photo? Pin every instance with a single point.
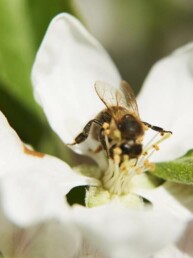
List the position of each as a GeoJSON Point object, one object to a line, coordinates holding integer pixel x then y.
{"type": "Point", "coordinates": [22, 26]}
{"type": "Point", "coordinates": [41, 13]}
{"type": "Point", "coordinates": [178, 171]}
{"type": "Point", "coordinates": [16, 50]}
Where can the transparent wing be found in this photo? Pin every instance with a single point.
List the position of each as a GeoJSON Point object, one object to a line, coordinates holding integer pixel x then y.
{"type": "Point", "coordinates": [115, 98]}
{"type": "Point", "coordinates": [129, 97]}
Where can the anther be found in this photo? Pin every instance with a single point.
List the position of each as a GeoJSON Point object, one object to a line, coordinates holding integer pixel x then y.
{"type": "Point", "coordinates": [138, 170]}
{"type": "Point", "coordinates": [107, 131]}
{"type": "Point", "coordinates": [156, 147]}
{"type": "Point", "coordinates": [105, 126]}
{"type": "Point", "coordinates": [117, 150]}
{"type": "Point", "coordinates": [117, 134]}
{"type": "Point", "coordinates": [116, 159]}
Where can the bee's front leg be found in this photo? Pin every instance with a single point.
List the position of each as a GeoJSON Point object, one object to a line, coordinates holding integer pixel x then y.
{"type": "Point", "coordinates": [156, 128]}
{"type": "Point", "coordinates": [85, 132]}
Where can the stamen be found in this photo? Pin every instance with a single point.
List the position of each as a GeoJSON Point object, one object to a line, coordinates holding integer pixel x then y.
{"type": "Point", "coordinates": [117, 159]}
{"type": "Point", "coordinates": [117, 155]}
{"type": "Point", "coordinates": [150, 142]}
{"type": "Point", "coordinates": [107, 144]}
{"type": "Point", "coordinates": [121, 169]}
{"type": "Point", "coordinates": [164, 137]}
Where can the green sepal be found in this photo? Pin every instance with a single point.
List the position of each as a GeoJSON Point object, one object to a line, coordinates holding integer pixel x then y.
{"type": "Point", "coordinates": [178, 171]}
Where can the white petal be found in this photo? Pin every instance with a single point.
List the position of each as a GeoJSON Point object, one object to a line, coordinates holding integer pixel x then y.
{"type": "Point", "coordinates": [166, 100]}
{"type": "Point", "coordinates": [28, 197]}
{"type": "Point", "coordinates": [87, 251]}
{"type": "Point", "coordinates": [171, 251]}
{"type": "Point", "coordinates": [10, 145]}
{"type": "Point", "coordinates": [14, 156]}
{"type": "Point", "coordinates": [67, 65]}
{"type": "Point", "coordinates": [184, 247]}
{"type": "Point", "coordinates": [177, 199]}
{"type": "Point", "coordinates": [120, 232]}
{"type": "Point", "coordinates": [55, 239]}
{"type": "Point", "coordinates": [185, 243]}
{"type": "Point", "coordinates": [29, 179]}
{"type": "Point", "coordinates": [52, 238]}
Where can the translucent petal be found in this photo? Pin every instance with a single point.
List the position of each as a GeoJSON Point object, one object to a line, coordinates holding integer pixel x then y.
{"type": "Point", "coordinates": [174, 198]}
{"type": "Point", "coordinates": [67, 65]}
{"type": "Point", "coordinates": [166, 101]}
{"type": "Point", "coordinates": [52, 238]}
{"type": "Point", "coordinates": [118, 231]}
{"type": "Point", "coordinates": [29, 179]}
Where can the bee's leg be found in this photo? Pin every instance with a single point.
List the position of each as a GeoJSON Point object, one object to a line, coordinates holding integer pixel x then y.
{"type": "Point", "coordinates": [156, 128]}
{"type": "Point", "coordinates": [82, 136]}
{"type": "Point", "coordinates": [152, 144]}
{"type": "Point", "coordinates": [106, 117]}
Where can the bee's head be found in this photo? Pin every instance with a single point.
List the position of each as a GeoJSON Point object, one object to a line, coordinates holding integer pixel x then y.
{"type": "Point", "coordinates": [130, 127]}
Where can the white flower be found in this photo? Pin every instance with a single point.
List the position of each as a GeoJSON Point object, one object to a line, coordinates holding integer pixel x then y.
{"type": "Point", "coordinates": [67, 65]}
{"type": "Point", "coordinates": [70, 61]}
{"type": "Point", "coordinates": [166, 99]}
{"type": "Point", "coordinates": [37, 222]}
{"type": "Point", "coordinates": [34, 216]}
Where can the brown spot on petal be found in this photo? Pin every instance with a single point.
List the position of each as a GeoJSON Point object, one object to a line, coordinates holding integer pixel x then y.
{"type": "Point", "coordinates": [32, 152]}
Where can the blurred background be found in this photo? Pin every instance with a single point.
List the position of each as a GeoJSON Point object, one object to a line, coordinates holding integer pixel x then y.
{"type": "Point", "coordinates": [136, 33]}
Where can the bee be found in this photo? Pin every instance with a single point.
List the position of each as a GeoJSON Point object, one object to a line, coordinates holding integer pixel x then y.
{"type": "Point", "coordinates": [118, 128]}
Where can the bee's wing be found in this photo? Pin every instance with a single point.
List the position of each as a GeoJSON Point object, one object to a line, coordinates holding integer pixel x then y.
{"type": "Point", "coordinates": [112, 97]}
{"type": "Point", "coordinates": [129, 98]}
{"type": "Point", "coordinates": [107, 93]}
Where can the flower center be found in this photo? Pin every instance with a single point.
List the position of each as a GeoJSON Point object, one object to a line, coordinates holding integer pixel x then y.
{"type": "Point", "coordinates": [121, 169]}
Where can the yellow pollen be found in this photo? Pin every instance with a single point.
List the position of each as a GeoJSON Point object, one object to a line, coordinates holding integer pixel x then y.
{"type": "Point", "coordinates": [150, 166]}
{"type": "Point", "coordinates": [146, 163]}
{"type": "Point", "coordinates": [139, 140]}
{"type": "Point", "coordinates": [117, 134]}
{"type": "Point", "coordinates": [138, 170]}
{"type": "Point", "coordinates": [107, 131]}
{"type": "Point", "coordinates": [156, 147]}
{"type": "Point", "coordinates": [105, 126]}
{"type": "Point", "coordinates": [124, 167]}
{"type": "Point", "coordinates": [116, 158]}
{"type": "Point", "coordinates": [117, 151]}
{"type": "Point", "coordinates": [125, 157]}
